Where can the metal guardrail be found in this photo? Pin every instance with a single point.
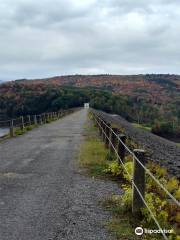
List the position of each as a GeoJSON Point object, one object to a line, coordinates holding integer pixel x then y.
{"type": "Point", "coordinates": [29, 120]}
{"type": "Point", "coordinates": [117, 143]}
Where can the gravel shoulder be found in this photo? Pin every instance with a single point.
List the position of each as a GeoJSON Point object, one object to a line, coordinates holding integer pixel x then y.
{"type": "Point", "coordinates": [163, 151]}
{"type": "Point", "coordinates": [43, 195]}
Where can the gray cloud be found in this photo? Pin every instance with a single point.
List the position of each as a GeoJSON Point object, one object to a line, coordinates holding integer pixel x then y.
{"type": "Point", "coordinates": [57, 37]}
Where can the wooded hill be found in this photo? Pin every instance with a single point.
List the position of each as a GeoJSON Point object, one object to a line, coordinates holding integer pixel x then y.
{"type": "Point", "coordinates": [150, 99]}
{"type": "Point", "coordinates": [158, 88]}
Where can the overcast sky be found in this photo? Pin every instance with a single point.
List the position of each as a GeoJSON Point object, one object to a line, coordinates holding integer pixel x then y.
{"type": "Point", "coordinates": [56, 37]}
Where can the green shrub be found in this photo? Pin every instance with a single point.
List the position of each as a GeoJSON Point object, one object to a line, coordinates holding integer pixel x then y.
{"type": "Point", "coordinates": [127, 198]}
{"type": "Point", "coordinates": [29, 128]}
{"type": "Point", "coordinates": [162, 128]}
{"type": "Point", "coordinates": [129, 167]}
{"type": "Point", "coordinates": [114, 169]}
{"type": "Point", "coordinates": [110, 156]}
{"type": "Point", "coordinates": [157, 206]}
{"type": "Point", "coordinates": [177, 194]}
{"type": "Point", "coordinates": [19, 131]}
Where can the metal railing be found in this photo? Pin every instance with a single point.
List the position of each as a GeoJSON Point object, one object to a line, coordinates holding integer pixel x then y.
{"type": "Point", "coordinates": [117, 143]}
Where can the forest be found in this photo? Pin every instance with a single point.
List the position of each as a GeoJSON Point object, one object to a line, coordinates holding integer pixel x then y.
{"type": "Point", "coordinates": [163, 119]}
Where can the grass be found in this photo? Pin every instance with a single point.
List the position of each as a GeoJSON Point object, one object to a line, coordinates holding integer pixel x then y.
{"type": "Point", "coordinates": [94, 157]}
{"type": "Point", "coordinates": [178, 144]}
{"type": "Point", "coordinates": [19, 131]}
{"type": "Point", "coordinates": [136, 125]}
{"type": "Point", "coordinates": [123, 223]}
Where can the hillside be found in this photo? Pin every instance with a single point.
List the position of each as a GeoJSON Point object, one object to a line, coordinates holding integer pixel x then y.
{"type": "Point", "coordinates": [151, 100]}
{"type": "Point", "coordinates": [157, 88]}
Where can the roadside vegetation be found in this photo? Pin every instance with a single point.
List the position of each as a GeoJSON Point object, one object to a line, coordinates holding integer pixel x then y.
{"type": "Point", "coordinates": [98, 162]}
{"type": "Point", "coordinates": [20, 131]}
{"type": "Point", "coordinates": [144, 127]}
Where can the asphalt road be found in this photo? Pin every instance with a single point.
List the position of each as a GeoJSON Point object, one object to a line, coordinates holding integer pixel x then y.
{"type": "Point", "coordinates": [43, 195]}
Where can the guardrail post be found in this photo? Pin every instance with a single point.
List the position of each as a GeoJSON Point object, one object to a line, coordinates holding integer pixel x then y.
{"type": "Point", "coordinates": [29, 119]}
{"type": "Point", "coordinates": [121, 148]}
{"type": "Point", "coordinates": [22, 123]}
{"type": "Point", "coordinates": [113, 139]}
{"type": "Point", "coordinates": [139, 181]}
{"type": "Point", "coordinates": [35, 119]}
{"type": "Point", "coordinates": [44, 117]}
{"type": "Point", "coordinates": [48, 117]}
{"type": "Point", "coordinates": [104, 128]}
{"type": "Point", "coordinates": [95, 121]}
{"type": "Point", "coordinates": [11, 129]}
{"type": "Point", "coordinates": [41, 119]}
{"type": "Point", "coordinates": [107, 130]}
{"type": "Point", "coordinates": [99, 126]}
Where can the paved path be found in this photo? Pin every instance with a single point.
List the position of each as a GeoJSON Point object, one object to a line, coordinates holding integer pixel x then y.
{"type": "Point", "coordinates": [43, 196]}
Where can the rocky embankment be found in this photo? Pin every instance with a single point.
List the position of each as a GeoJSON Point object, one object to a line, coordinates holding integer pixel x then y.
{"type": "Point", "coordinates": [160, 150]}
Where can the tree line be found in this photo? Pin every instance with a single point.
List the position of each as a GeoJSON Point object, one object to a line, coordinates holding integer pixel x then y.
{"type": "Point", "coordinates": [164, 120]}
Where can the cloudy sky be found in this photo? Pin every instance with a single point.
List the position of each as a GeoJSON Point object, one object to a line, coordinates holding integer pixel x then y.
{"type": "Point", "coordinates": [54, 37]}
